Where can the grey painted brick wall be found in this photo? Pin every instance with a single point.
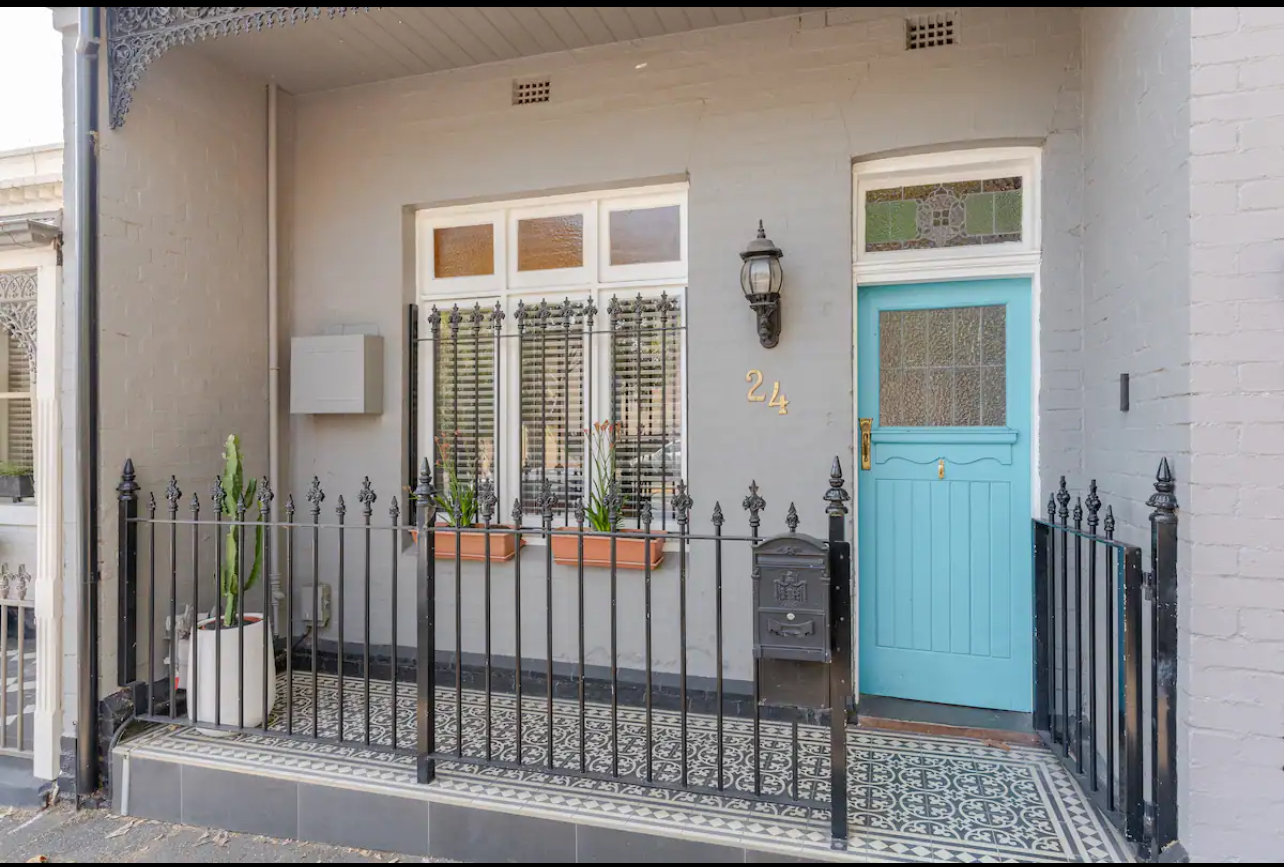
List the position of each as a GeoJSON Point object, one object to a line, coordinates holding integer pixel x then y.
{"type": "Point", "coordinates": [1137, 296]}
{"type": "Point", "coordinates": [184, 277]}
{"type": "Point", "coordinates": [1234, 511]}
{"type": "Point", "coordinates": [765, 119]}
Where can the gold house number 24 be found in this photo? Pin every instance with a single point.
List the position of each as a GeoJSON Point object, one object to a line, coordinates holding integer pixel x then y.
{"type": "Point", "coordinates": [778, 400]}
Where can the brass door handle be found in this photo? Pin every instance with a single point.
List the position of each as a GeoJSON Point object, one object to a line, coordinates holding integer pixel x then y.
{"type": "Point", "coordinates": [866, 443]}
{"type": "Point", "coordinates": [940, 469]}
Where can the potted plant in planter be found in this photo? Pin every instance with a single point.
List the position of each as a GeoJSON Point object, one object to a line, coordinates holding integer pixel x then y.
{"type": "Point", "coordinates": [457, 506]}
{"type": "Point", "coordinates": [16, 482]}
{"type": "Point", "coordinates": [221, 678]}
{"type": "Point", "coordinates": [602, 514]}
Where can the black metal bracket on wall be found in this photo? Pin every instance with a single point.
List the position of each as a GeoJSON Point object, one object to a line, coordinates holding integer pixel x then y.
{"type": "Point", "coordinates": [139, 35]}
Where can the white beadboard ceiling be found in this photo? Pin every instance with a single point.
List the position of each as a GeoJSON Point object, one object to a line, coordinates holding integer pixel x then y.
{"type": "Point", "coordinates": [398, 41]}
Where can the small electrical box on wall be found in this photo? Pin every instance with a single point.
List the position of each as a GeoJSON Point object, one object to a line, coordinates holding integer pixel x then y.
{"type": "Point", "coordinates": [336, 375]}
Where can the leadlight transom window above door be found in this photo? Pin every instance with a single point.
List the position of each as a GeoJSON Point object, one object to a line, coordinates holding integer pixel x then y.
{"type": "Point", "coordinates": [965, 205]}
{"type": "Point", "coordinates": [541, 318]}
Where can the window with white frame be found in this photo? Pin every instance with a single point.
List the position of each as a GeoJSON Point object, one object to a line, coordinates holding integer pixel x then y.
{"type": "Point", "coordinates": [544, 321]}
{"type": "Point", "coordinates": [17, 359]}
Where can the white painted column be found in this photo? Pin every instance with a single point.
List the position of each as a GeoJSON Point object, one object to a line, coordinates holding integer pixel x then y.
{"type": "Point", "coordinates": [48, 570]}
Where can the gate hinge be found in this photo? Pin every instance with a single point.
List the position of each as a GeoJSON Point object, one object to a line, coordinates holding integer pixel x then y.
{"type": "Point", "coordinates": [1148, 585]}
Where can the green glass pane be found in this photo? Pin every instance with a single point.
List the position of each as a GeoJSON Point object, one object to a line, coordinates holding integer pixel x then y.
{"type": "Point", "coordinates": [980, 214]}
{"type": "Point", "coordinates": [1007, 212]}
{"type": "Point", "coordinates": [878, 225]}
{"type": "Point", "coordinates": [904, 221]}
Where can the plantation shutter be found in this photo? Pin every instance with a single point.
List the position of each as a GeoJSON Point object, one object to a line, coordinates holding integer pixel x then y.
{"type": "Point", "coordinates": [463, 395]}
{"type": "Point", "coordinates": [646, 383]}
{"type": "Point", "coordinates": [552, 351]}
{"type": "Point", "coordinates": [22, 451]}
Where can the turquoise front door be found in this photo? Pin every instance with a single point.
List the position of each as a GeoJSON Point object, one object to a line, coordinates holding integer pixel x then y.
{"type": "Point", "coordinates": [944, 398]}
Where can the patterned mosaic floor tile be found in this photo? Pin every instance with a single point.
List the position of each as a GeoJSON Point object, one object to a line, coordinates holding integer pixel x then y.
{"type": "Point", "coordinates": [911, 798]}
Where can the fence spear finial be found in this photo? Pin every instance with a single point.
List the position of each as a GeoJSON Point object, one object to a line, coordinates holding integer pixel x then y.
{"type": "Point", "coordinates": [837, 495]}
{"type": "Point", "coordinates": [1094, 508]}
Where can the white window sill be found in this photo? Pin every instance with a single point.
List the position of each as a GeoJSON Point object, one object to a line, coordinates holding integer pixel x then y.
{"type": "Point", "coordinates": [18, 514]}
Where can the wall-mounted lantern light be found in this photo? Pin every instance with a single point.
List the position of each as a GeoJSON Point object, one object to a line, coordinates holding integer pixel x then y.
{"type": "Point", "coordinates": [761, 279]}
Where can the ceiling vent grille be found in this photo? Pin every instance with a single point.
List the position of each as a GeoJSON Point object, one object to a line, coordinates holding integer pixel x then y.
{"type": "Point", "coordinates": [930, 31]}
{"type": "Point", "coordinates": [532, 91]}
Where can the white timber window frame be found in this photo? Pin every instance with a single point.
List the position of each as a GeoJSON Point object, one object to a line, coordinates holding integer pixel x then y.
{"type": "Point", "coordinates": [596, 279]}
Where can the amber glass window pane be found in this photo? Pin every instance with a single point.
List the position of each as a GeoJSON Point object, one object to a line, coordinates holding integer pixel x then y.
{"type": "Point", "coordinates": [646, 235]}
{"type": "Point", "coordinates": [550, 242]}
{"type": "Point", "coordinates": [464, 251]}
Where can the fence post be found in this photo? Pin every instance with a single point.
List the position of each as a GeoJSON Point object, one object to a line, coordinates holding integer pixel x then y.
{"type": "Point", "coordinates": [840, 637]}
{"type": "Point", "coordinates": [1134, 784]}
{"type": "Point", "coordinates": [1042, 624]}
{"type": "Point", "coordinates": [426, 619]}
{"type": "Point", "coordinates": [127, 572]}
{"type": "Point", "coordinates": [1163, 560]}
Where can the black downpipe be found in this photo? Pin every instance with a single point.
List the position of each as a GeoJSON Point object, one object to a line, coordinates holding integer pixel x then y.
{"type": "Point", "coordinates": [86, 157]}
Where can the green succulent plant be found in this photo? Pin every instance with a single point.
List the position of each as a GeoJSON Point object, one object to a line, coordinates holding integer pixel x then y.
{"type": "Point", "coordinates": [235, 491]}
{"type": "Point", "coordinates": [11, 469]}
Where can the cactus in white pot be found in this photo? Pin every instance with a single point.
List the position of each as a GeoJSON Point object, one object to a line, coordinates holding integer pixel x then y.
{"type": "Point", "coordinates": [226, 688]}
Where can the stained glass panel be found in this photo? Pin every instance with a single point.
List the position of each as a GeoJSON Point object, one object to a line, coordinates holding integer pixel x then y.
{"type": "Point", "coordinates": [464, 251]}
{"type": "Point", "coordinates": [943, 368]}
{"type": "Point", "coordinates": [547, 243]}
{"type": "Point", "coordinates": [646, 235]}
{"type": "Point", "coordinates": [955, 214]}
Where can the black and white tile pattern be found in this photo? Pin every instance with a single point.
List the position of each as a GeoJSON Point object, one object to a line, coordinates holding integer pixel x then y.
{"type": "Point", "coordinates": [912, 798]}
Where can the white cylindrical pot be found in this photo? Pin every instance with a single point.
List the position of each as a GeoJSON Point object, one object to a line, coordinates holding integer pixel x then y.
{"type": "Point", "coordinates": [221, 678]}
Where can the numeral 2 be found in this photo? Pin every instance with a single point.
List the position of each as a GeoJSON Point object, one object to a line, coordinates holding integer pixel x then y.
{"type": "Point", "coordinates": [756, 377]}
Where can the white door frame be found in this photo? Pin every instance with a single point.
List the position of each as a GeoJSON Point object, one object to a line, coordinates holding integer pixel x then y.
{"type": "Point", "coordinates": [1023, 259]}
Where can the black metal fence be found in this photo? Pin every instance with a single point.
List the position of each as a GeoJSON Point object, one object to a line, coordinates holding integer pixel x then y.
{"type": "Point", "coordinates": [1106, 660]}
{"type": "Point", "coordinates": [484, 690]}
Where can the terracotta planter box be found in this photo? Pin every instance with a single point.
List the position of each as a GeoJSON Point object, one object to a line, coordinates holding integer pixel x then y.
{"type": "Point", "coordinates": [629, 553]}
{"type": "Point", "coordinates": [472, 545]}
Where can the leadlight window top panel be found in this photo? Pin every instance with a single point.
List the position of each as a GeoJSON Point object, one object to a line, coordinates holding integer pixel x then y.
{"type": "Point", "coordinates": [944, 367]}
{"type": "Point", "coordinates": [464, 251]}
{"type": "Point", "coordinates": [550, 243]}
{"type": "Point", "coordinates": [947, 214]}
{"type": "Point", "coordinates": [640, 236]}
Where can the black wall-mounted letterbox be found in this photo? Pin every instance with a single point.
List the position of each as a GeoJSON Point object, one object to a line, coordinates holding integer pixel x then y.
{"type": "Point", "coordinates": [791, 629]}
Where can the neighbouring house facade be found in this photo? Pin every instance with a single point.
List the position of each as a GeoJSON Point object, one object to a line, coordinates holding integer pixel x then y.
{"type": "Point", "coordinates": [426, 254]}
{"type": "Point", "coordinates": [31, 196]}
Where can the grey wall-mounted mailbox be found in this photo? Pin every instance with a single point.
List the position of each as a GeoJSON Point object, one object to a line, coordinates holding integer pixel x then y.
{"type": "Point", "coordinates": [791, 630]}
{"type": "Point", "coordinates": [336, 375]}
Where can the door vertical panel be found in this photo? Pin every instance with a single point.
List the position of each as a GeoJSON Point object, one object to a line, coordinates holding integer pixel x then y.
{"type": "Point", "coordinates": [979, 574]}
{"type": "Point", "coordinates": [883, 600]}
{"type": "Point", "coordinates": [1001, 572]}
{"type": "Point", "coordinates": [920, 540]}
{"type": "Point", "coordinates": [902, 579]}
{"type": "Point", "coordinates": [960, 569]}
{"type": "Point", "coordinates": [940, 569]}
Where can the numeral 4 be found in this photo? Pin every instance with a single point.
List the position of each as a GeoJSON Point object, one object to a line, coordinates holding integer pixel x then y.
{"type": "Point", "coordinates": [779, 401]}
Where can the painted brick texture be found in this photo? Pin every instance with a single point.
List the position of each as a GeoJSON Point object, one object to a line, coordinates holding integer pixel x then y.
{"type": "Point", "coordinates": [184, 276]}
{"type": "Point", "coordinates": [1234, 510]}
{"type": "Point", "coordinates": [765, 120]}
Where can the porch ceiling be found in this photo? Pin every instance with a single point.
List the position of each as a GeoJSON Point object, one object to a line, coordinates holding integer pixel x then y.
{"type": "Point", "coordinates": [397, 41]}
